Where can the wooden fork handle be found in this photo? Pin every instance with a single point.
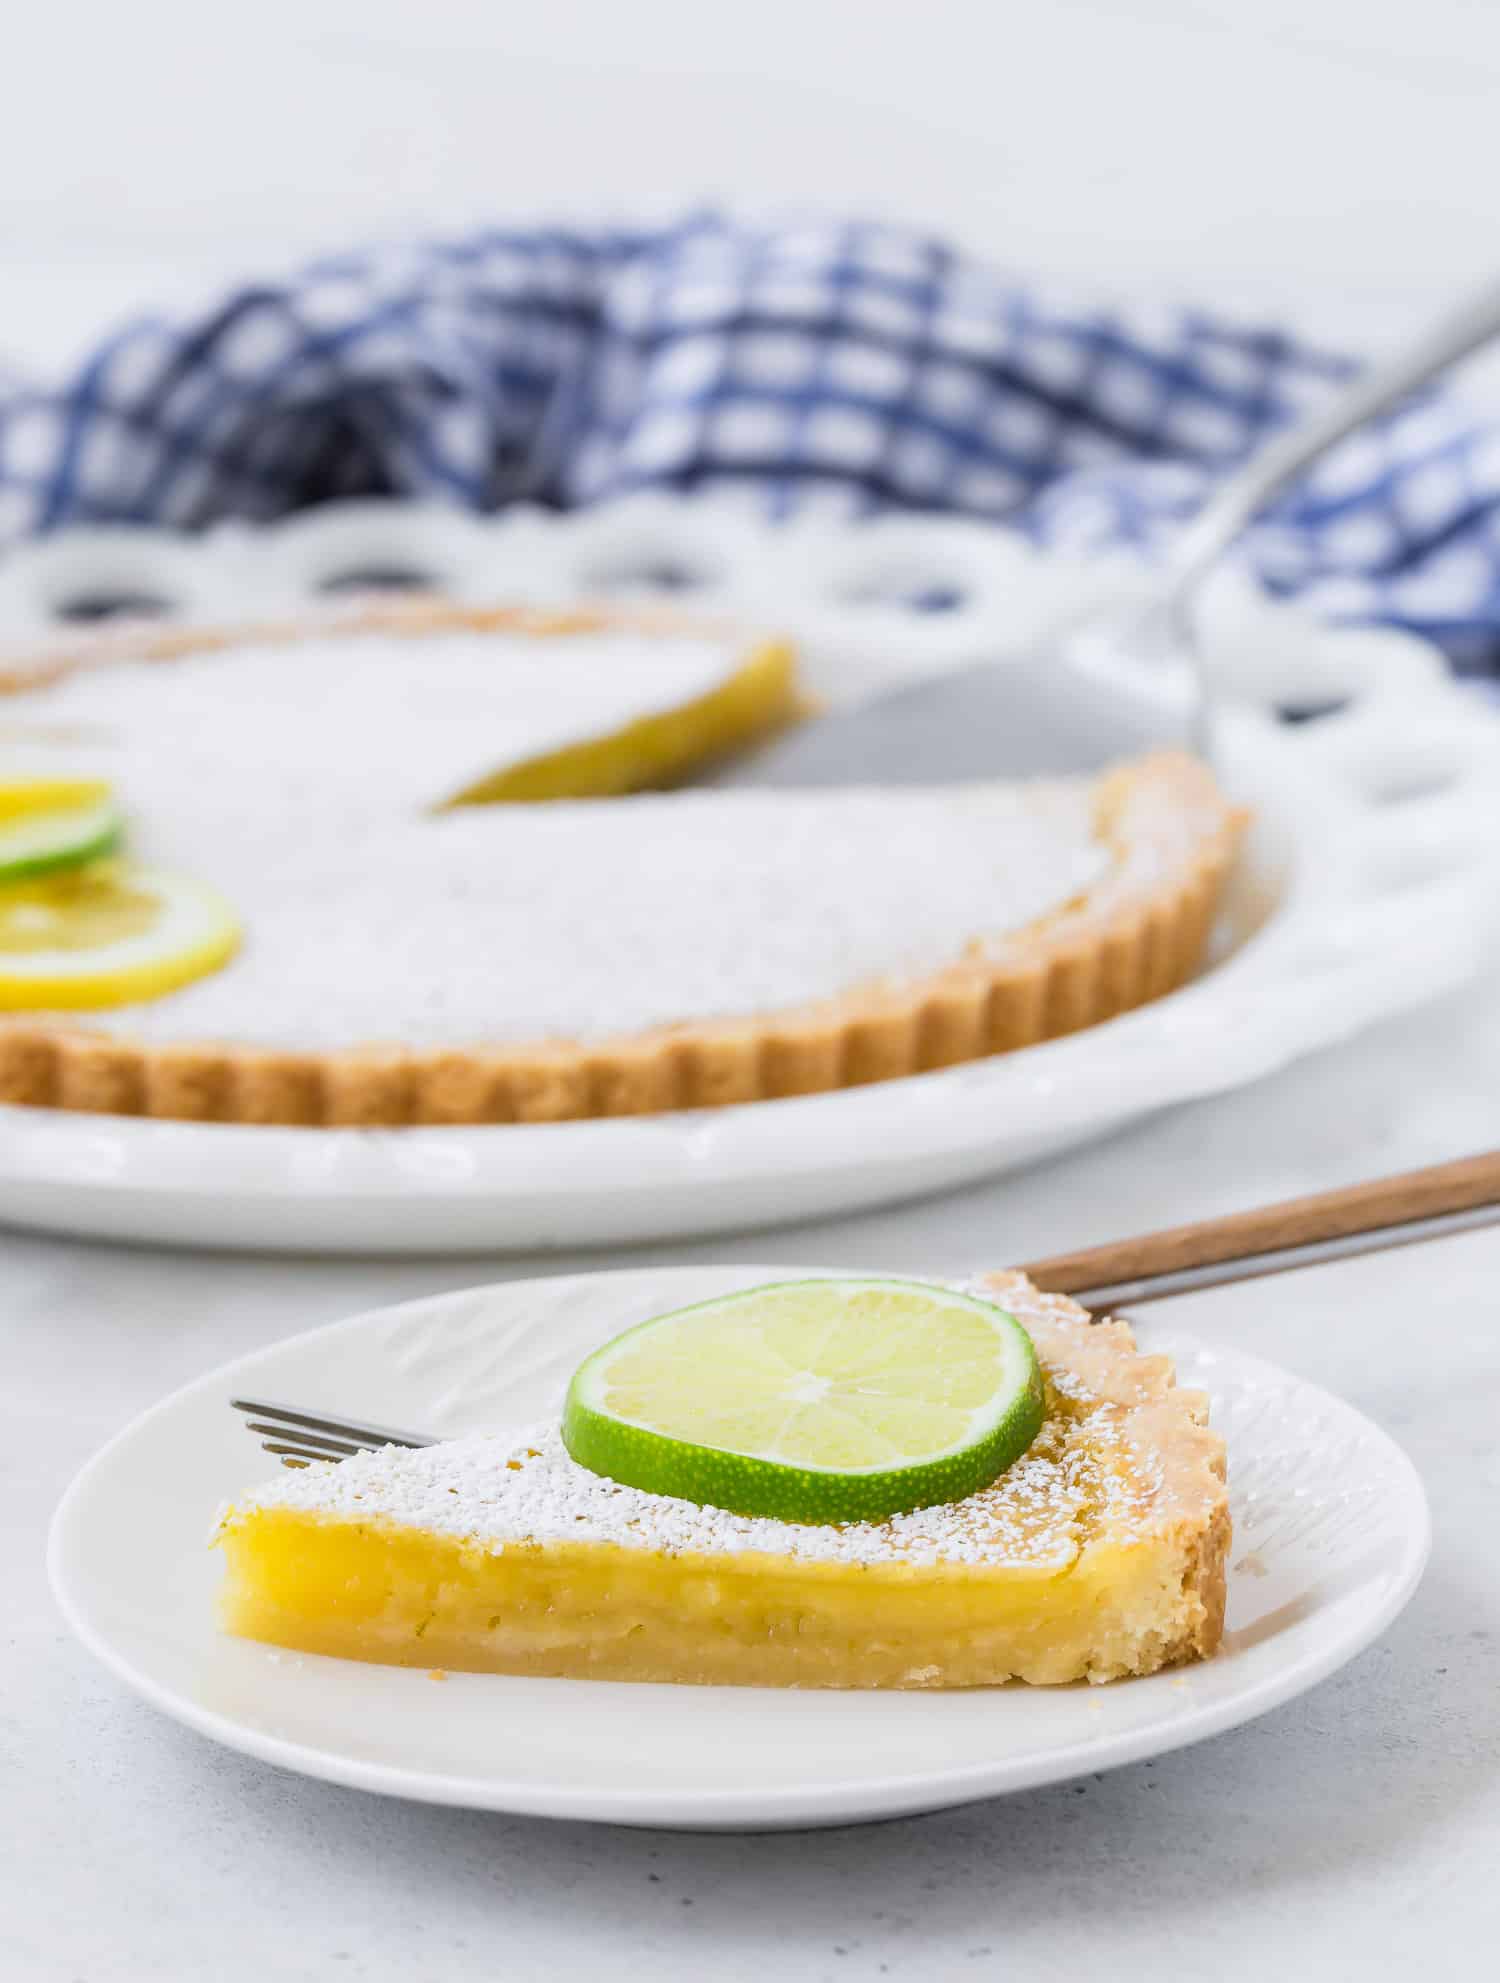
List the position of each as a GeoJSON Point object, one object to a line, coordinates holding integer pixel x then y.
{"type": "Point", "coordinates": [1359, 1208]}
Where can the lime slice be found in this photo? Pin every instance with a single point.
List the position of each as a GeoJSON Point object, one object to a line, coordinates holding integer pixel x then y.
{"type": "Point", "coordinates": [108, 934]}
{"type": "Point", "coordinates": [38, 838]}
{"type": "Point", "coordinates": [812, 1401]}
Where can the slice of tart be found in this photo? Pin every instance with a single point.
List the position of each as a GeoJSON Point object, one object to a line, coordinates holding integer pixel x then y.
{"type": "Point", "coordinates": [1099, 1553]}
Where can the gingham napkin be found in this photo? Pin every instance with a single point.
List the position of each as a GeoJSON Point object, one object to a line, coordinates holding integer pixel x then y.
{"type": "Point", "coordinates": [862, 367]}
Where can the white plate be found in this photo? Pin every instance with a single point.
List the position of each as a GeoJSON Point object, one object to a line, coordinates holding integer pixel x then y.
{"type": "Point", "coordinates": [1370, 883]}
{"type": "Point", "coordinates": [1331, 1534]}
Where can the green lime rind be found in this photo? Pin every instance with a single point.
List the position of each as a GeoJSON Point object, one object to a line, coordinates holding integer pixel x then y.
{"type": "Point", "coordinates": [49, 842]}
{"type": "Point", "coordinates": [807, 1496]}
{"type": "Point", "coordinates": [751, 1483]}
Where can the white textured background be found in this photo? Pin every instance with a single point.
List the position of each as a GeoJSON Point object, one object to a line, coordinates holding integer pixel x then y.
{"type": "Point", "coordinates": [1331, 159]}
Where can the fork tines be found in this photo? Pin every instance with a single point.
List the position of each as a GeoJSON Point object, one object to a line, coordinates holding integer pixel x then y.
{"type": "Point", "coordinates": [296, 1437]}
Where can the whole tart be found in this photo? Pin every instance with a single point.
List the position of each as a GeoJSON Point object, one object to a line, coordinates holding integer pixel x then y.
{"type": "Point", "coordinates": [410, 958]}
{"type": "Point", "coordinates": [1099, 1554]}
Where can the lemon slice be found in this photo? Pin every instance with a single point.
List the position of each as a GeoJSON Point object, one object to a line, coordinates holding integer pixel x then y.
{"type": "Point", "coordinates": [656, 749]}
{"type": "Point", "coordinates": [51, 823]}
{"type": "Point", "coordinates": [108, 934]}
{"type": "Point", "coordinates": [22, 797]}
{"type": "Point", "coordinates": [812, 1401]}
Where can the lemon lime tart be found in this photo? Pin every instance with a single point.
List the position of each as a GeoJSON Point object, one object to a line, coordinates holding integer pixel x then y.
{"type": "Point", "coordinates": [1095, 1547]}
{"type": "Point", "coordinates": [407, 956]}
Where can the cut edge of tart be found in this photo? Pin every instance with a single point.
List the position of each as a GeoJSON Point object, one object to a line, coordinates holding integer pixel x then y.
{"type": "Point", "coordinates": [1100, 1554]}
{"type": "Point", "coordinates": [756, 694]}
{"type": "Point", "coordinates": [1136, 934]}
{"type": "Point", "coordinates": [660, 747]}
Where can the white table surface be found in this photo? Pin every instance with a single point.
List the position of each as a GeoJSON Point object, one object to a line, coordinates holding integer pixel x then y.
{"type": "Point", "coordinates": [1356, 1831]}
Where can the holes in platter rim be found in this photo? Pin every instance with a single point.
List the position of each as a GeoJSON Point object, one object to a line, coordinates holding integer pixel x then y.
{"type": "Point", "coordinates": [121, 602]}
{"type": "Point", "coordinates": [1312, 712]}
{"type": "Point", "coordinates": [650, 574]}
{"type": "Point", "coordinates": [376, 576]}
{"type": "Point", "coordinates": [909, 589]}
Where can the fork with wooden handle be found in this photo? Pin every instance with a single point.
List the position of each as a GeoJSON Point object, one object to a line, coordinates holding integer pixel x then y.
{"type": "Point", "coordinates": [1241, 1246]}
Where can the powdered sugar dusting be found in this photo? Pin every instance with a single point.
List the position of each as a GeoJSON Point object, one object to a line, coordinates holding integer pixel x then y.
{"type": "Point", "coordinates": [298, 780]}
{"type": "Point", "coordinates": [384, 722]}
{"type": "Point", "coordinates": [506, 1490]}
{"type": "Point", "coordinates": [570, 921]}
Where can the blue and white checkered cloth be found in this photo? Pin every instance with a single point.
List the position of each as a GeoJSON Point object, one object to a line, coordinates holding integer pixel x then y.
{"type": "Point", "coordinates": [865, 367]}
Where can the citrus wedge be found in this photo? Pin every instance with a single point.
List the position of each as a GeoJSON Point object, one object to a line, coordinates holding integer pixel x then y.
{"type": "Point", "coordinates": [812, 1401]}
{"type": "Point", "coordinates": [108, 934]}
{"type": "Point", "coordinates": [47, 824]}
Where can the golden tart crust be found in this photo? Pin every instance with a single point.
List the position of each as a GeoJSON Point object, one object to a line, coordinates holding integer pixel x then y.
{"type": "Point", "coordinates": [1137, 935]}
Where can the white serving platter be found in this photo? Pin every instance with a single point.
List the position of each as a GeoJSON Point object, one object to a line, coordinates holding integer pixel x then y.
{"type": "Point", "coordinates": [1370, 882]}
{"type": "Point", "coordinates": [1331, 1534]}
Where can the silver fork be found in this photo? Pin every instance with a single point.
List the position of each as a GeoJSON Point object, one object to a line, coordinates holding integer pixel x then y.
{"type": "Point", "coordinates": [297, 1436]}
{"type": "Point", "coordinates": [1403, 1210]}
